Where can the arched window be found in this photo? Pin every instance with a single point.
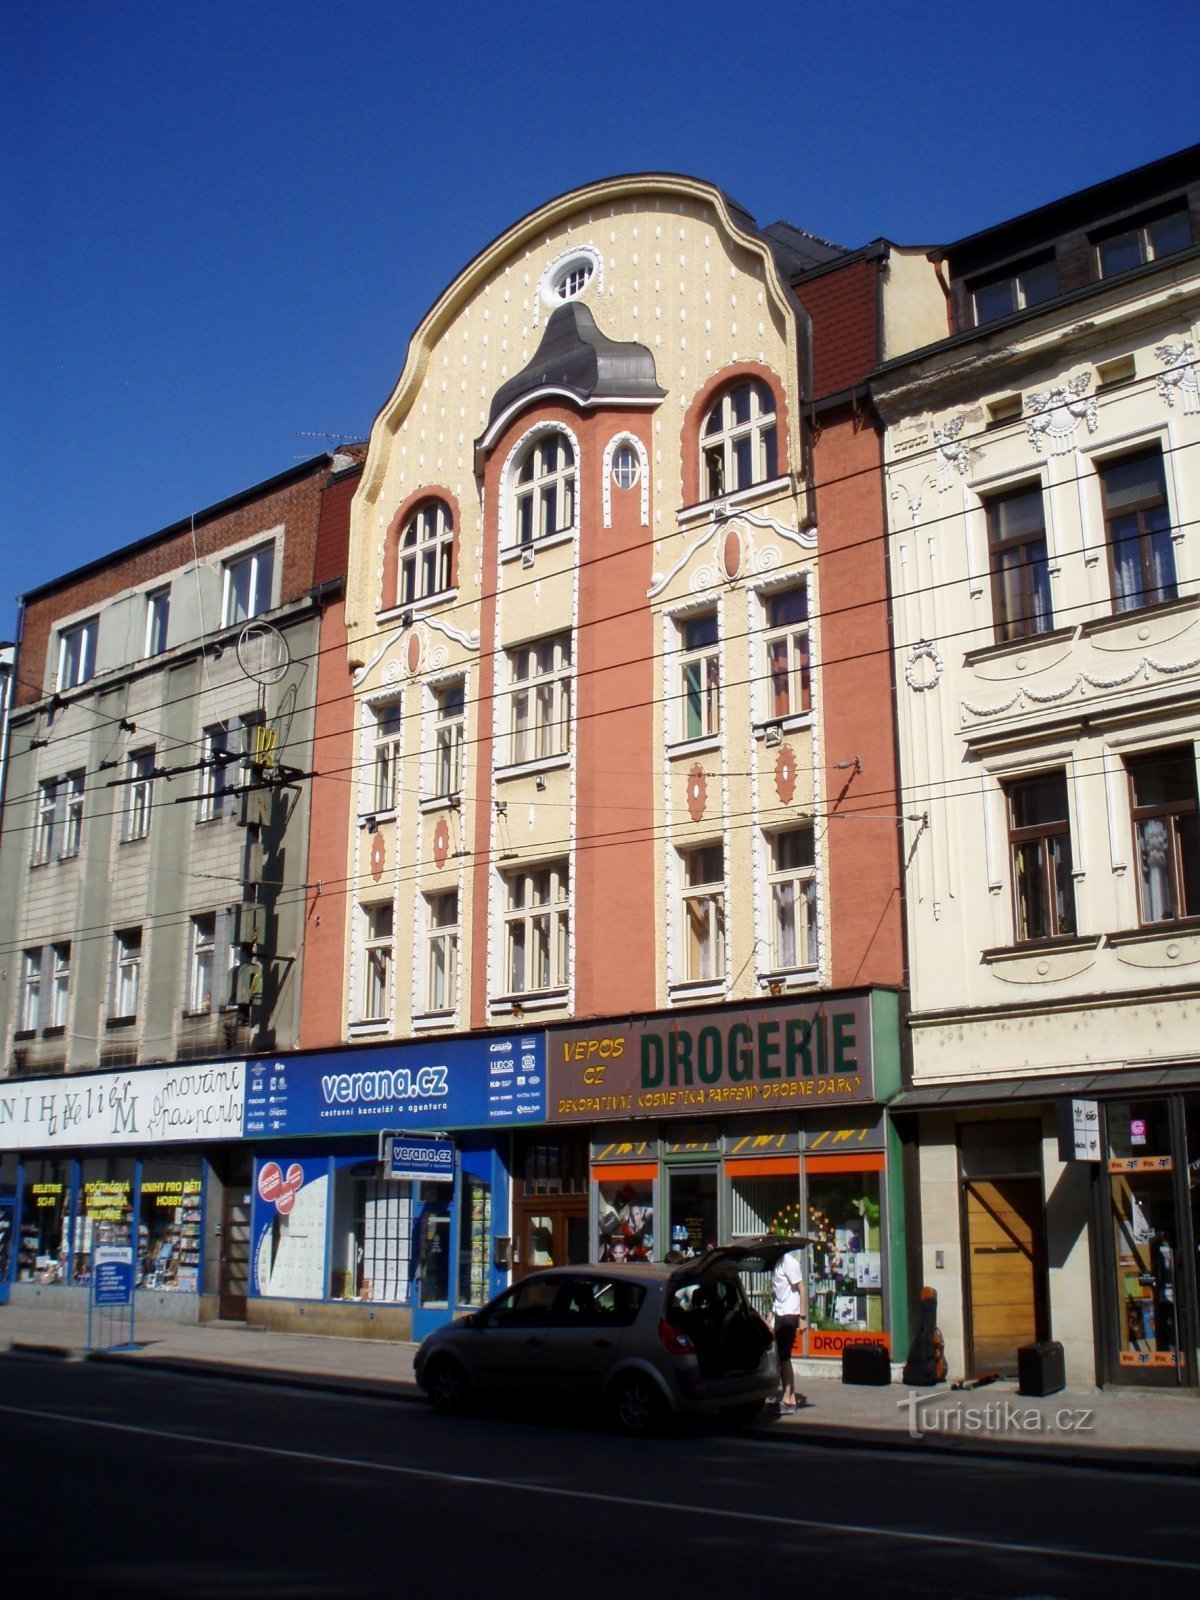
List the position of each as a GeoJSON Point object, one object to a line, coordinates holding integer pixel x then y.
{"type": "Point", "coordinates": [426, 548]}
{"type": "Point", "coordinates": [544, 489]}
{"type": "Point", "coordinates": [738, 445]}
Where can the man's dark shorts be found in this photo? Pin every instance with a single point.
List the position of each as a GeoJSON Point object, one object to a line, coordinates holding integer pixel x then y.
{"type": "Point", "coordinates": [786, 1329]}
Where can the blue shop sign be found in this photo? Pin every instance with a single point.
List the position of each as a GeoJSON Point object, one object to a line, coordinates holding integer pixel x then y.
{"type": "Point", "coordinates": [422, 1160]}
{"type": "Point", "coordinates": [112, 1275]}
{"type": "Point", "coordinates": [431, 1084]}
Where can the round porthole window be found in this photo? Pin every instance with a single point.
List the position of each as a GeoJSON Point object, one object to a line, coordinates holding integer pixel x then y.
{"type": "Point", "coordinates": [567, 278]}
{"type": "Point", "coordinates": [626, 468]}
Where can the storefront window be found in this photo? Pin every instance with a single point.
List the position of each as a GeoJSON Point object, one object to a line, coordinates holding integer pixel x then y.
{"type": "Point", "coordinates": [45, 1194]}
{"type": "Point", "coordinates": [759, 1205]}
{"type": "Point", "coordinates": [693, 1211]}
{"type": "Point", "coordinates": [1141, 1182]}
{"type": "Point", "coordinates": [845, 1225]}
{"type": "Point", "coordinates": [626, 1218]}
{"type": "Point", "coordinates": [474, 1239]}
{"type": "Point", "coordinates": [104, 1214]}
{"type": "Point", "coordinates": [372, 1234]}
{"type": "Point", "coordinates": [169, 1224]}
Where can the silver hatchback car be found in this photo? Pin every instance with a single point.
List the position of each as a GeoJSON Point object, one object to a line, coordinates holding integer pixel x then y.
{"type": "Point", "coordinates": [644, 1342]}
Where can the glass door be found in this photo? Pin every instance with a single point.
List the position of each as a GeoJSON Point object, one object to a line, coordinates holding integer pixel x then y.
{"type": "Point", "coordinates": [692, 1210]}
{"type": "Point", "coordinates": [1145, 1234]}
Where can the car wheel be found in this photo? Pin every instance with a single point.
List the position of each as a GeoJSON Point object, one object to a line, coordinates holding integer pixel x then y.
{"type": "Point", "coordinates": [448, 1387]}
{"type": "Point", "coordinates": [638, 1407]}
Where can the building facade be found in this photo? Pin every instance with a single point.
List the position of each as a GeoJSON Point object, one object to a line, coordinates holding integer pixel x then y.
{"type": "Point", "coordinates": [1043, 496]}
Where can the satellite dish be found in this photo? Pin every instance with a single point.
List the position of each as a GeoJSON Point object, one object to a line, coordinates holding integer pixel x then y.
{"type": "Point", "coordinates": [262, 652]}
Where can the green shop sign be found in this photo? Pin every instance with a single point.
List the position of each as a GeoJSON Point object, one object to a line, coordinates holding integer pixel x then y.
{"type": "Point", "coordinates": [734, 1059]}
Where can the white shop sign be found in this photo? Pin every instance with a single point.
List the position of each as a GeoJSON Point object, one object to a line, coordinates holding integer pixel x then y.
{"type": "Point", "coordinates": [150, 1105]}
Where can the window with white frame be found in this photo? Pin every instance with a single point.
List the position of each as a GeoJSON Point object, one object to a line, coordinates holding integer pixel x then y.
{"type": "Point", "coordinates": [31, 990]}
{"type": "Point", "coordinates": [1039, 839]}
{"type": "Point", "coordinates": [537, 928]}
{"type": "Point", "coordinates": [426, 553]}
{"type": "Point", "coordinates": [1137, 520]}
{"type": "Point", "coordinates": [1166, 827]}
{"type": "Point", "coordinates": [140, 792]}
{"type": "Point", "coordinates": [201, 961]}
{"type": "Point", "coordinates": [544, 489]}
{"type": "Point", "coordinates": [47, 821]}
{"type": "Point", "coordinates": [540, 678]}
{"type": "Point", "coordinates": [791, 877]}
{"type": "Point", "coordinates": [127, 972]}
{"type": "Point", "coordinates": [1017, 553]}
{"type": "Point", "coordinates": [77, 653]}
{"type": "Point", "coordinates": [1149, 237]}
{"type": "Point", "coordinates": [158, 614]}
{"type": "Point", "coordinates": [73, 831]}
{"type": "Point", "coordinates": [385, 783]}
{"type": "Point", "coordinates": [703, 895]}
{"type": "Point", "coordinates": [786, 640]}
{"type": "Point", "coordinates": [699, 677]}
{"type": "Point", "coordinates": [377, 948]}
{"type": "Point", "coordinates": [60, 984]}
{"type": "Point", "coordinates": [248, 581]}
{"type": "Point", "coordinates": [214, 782]}
{"type": "Point", "coordinates": [626, 467]}
{"type": "Point", "coordinates": [738, 446]}
{"type": "Point", "coordinates": [441, 967]}
{"type": "Point", "coordinates": [1014, 288]}
{"type": "Point", "coordinates": [448, 733]}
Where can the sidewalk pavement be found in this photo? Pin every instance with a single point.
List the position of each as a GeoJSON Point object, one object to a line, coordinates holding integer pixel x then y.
{"type": "Point", "coordinates": [1126, 1429]}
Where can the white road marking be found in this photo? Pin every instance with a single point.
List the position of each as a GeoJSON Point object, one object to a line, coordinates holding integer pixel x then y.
{"type": "Point", "coordinates": [520, 1486]}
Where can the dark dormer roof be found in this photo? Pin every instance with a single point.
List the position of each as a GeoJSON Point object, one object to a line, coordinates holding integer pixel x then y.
{"type": "Point", "coordinates": [574, 355]}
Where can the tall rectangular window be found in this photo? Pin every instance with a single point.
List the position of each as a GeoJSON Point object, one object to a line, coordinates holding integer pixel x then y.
{"type": "Point", "coordinates": [73, 831]}
{"type": "Point", "coordinates": [448, 738]}
{"type": "Point", "coordinates": [1167, 833]}
{"type": "Point", "coordinates": [700, 677]}
{"type": "Point", "coordinates": [788, 675]}
{"type": "Point", "coordinates": [201, 962]}
{"type": "Point", "coordinates": [385, 786]}
{"type": "Point", "coordinates": [441, 991]}
{"type": "Point", "coordinates": [31, 990]}
{"type": "Point", "coordinates": [127, 974]}
{"type": "Point", "coordinates": [214, 782]}
{"type": "Point", "coordinates": [1138, 522]}
{"type": "Point", "coordinates": [248, 581]}
{"type": "Point", "coordinates": [1039, 836]}
{"type": "Point", "coordinates": [540, 675]}
{"type": "Point", "coordinates": [158, 614]}
{"type": "Point", "coordinates": [537, 926]}
{"type": "Point", "coordinates": [47, 821]}
{"type": "Point", "coordinates": [77, 653]}
{"type": "Point", "coordinates": [793, 884]}
{"type": "Point", "coordinates": [60, 984]}
{"type": "Point", "coordinates": [140, 790]}
{"type": "Point", "coordinates": [378, 967]}
{"type": "Point", "coordinates": [703, 913]}
{"type": "Point", "coordinates": [1020, 569]}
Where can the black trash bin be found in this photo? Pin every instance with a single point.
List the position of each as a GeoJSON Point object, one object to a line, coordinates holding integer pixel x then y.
{"type": "Point", "coordinates": [1041, 1368]}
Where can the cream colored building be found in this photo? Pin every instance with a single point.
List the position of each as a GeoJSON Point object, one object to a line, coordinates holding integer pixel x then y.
{"type": "Point", "coordinates": [1043, 488]}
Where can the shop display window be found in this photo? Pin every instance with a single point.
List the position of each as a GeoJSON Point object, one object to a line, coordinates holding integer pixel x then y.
{"type": "Point", "coordinates": [845, 1290]}
{"type": "Point", "coordinates": [45, 1197]}
{"type": "Point", "coordinates": [371, 1249]}
{"type": "Point", "coordinates": [474, 1237]}
{"type": "Point", "coordinates": [758, 1205]}
{"type": "Point", "coordinates": [1145, 1226]}
{"type": "Point", "coordinates": [625, 1217]}
{"type": "Point", "coordinates": [169, 1218]}
{"type": "Point", "coordinates": [692, 1211]}
{"type": "Point", "coordinates": [104, 1212]}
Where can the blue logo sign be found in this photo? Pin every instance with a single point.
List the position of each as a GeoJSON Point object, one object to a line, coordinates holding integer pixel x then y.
{"type": "Point", "coordinates": [423, 1160]}
{"type": "Point", "coordinates": [112, 1275]}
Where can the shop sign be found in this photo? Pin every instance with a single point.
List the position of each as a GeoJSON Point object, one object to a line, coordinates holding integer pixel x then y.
{"type": "Point", "coordinates": [438, 1083]}
{"type": "Point", "coordinates": [783, 1058]}
{"type": "Point", "coordinates": [1079, 1130]}
{"type": "Point", "coordinates": [426, 1160]}
{"type": "Point", "coordinates": [828, 1343]}
{"type": "Point", "coordinates": [152, 1105]}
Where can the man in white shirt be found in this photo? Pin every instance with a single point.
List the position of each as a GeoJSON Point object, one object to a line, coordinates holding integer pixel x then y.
{"type": "Point", "coordinates": [790, 1311]}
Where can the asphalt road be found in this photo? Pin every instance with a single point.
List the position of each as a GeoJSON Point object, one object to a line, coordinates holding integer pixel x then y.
{"type": "Point", "coordinates": [125, 1483]}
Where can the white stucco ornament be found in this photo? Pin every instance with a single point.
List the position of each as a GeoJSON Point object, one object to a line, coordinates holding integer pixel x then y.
{"type": "Point", "coordinates": [918, 676]}
{"type": "Point", "coordinates": [1056, 415]}
{"type": "Point", "coordinates": [952, 452]}
{"type": "Point", "coordinates": [1180, 376]}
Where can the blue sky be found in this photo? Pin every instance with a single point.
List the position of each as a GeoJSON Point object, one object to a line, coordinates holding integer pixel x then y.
{"type": "Point", "coordinates": [222, 221]}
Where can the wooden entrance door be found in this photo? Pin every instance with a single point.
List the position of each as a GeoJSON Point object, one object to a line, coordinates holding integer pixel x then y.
{"type": "Point", "coordinates": [1006, 1270]}
{"type": "Point", "coordinates": [551, 1231]}
{"type": "Point", "coordinates": [234, 1280]}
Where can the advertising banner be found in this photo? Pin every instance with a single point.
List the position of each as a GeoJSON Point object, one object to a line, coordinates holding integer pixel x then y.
{"type": "Point", "coordinates": [291, 1205]}
{"type": "Point", "coordinates": [148, 1105]}
{"type": "Point", "coordinates": [433, 1084]}
{"type": "Point", "coordinates": [112, 1275]}
{"type": "Point", "coordinates": [788, 1057]}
